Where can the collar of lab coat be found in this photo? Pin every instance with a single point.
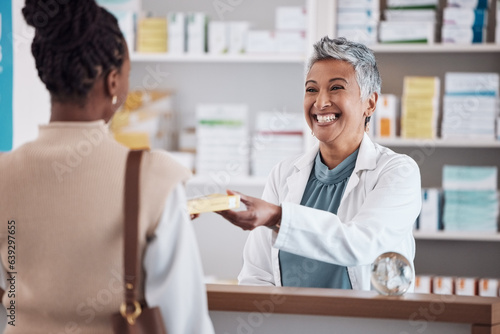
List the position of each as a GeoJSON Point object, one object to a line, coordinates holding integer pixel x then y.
{"type": "Point", "coordinates": [367, 160]}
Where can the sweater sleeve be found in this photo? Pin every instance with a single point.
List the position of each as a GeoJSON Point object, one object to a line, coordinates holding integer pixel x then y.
{"type": "Point", "coordinates": [174, 275]}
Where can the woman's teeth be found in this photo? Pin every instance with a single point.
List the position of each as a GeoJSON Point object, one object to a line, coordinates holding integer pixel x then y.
{"type": "Point", "coordinates": [326, 118]}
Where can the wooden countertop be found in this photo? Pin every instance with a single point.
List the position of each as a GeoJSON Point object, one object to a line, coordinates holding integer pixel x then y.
{"type": "Point", "coordinates": [478, 311]}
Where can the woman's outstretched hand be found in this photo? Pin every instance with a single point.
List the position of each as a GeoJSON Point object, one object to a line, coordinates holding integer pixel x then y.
{"type": "Point", "coordinates": [258, 213]}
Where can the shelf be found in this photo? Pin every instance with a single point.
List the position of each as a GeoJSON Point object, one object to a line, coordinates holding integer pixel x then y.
{"type": "Point", "coordinates": [238, 181]}
{"type": "Point", "coordinates": [437, 143]}
{"type": "Point", "coordinates": [434, 48]}
{"type": "Point", "coordinates": [225, 58]}
{"type": "Point", "coordinates": [461, 236]}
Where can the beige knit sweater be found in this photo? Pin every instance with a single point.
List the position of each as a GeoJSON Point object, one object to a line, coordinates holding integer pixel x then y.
{"type": "Point", "coordinates": [64, 191]}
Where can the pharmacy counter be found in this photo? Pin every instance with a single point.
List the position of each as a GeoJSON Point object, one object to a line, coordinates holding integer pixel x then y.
{"type": "Point", "coordinates": [256, 310]}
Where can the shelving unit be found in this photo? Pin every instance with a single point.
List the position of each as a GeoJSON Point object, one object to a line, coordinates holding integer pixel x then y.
{"type": "Point", "coordinates": [276, 81]}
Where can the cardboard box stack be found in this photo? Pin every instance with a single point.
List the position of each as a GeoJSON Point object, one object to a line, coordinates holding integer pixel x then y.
{"type": "Point", "coordinates": [176, 23]}
{"type": "Point", "coordinates": [429, 219]}
{"type": "Point", "coordinates": [470, 105]}
{"type": "Point", "coordinates": [277, 136]}
{"type": "Point", "coordinates": [357, 20]}
{"type": "Point", "coordinates": [289, 35]}
{"type": "Point", "coordinates": [152, 35]}
{"type": "Point", "coordinates": [291, 26]}
{"type": "Point", "coordinates": [385, 119]}
{"type": "Point", "coordinates": [419, 107]}
{"type": "Point", "coordinates": [464, 22]}
{"type": "Point", "coordinates": [470, 198]}
{"type": "Point", "coordinates": [409, 21]}
{"type": "Point", "coordinates": [462, 286]}
{"type": "Point", "coordinates": [222, 137]}
{"type": "Point", "coordinates": [196, 32]}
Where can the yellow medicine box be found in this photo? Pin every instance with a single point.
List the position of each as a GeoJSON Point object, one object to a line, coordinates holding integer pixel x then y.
{"type": "Point", "coordinates": [213, 202]}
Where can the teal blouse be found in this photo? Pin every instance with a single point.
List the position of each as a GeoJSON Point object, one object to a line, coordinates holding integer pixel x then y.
{"type": "Point", "coordinates": [323, 191]}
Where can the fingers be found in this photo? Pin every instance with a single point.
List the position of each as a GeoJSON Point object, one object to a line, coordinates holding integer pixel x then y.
{"type": "Point", "coordinates": [231, 192]}
{"type": "Point", "coordinates": [242, 219]}
{"type": "Point", "coordinates": [247, 200]}
{"type": "Point", "coordinates": [194, 215]}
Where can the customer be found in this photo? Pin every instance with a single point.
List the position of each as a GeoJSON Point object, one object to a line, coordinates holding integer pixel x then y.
{"type": "Point", "coordinates": [64, 192]}
{"type": "Point", "coordinates": [333, 210]}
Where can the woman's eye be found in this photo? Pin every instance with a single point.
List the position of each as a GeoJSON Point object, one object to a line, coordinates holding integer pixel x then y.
{"type": "Point", "coordinates": [310, 90]}
{"type": "Point", "coordinates": [336, 87]}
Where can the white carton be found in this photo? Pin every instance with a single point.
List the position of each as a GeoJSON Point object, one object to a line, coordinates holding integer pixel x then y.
{"type": "Point", "coordinates": [470, 83]}
{"type": "Point", "coordinates": [466, 286]}
{"type": "Point", "coordinates": [406, 32]}
{"type": "Point", "coordinates": [465, 17]}
{"type": "Point", "coordinates": [176, 33]}
{"type": "Point", "coordinates": [373, 5]}
{"type": "Point", "coordinates": [473, 4]}
{"type": "Point", "coordinates": [442, 285]}
{"type": "Point", "coordinates": [222, 139]}
{"type": "Point", "coordinates": [238, 32]}
{"type": "Point", "coordinates": [291, 18]}
{"type": "Point", "coordinates": [218, 37]}
{"type": "Point", "coordinates": [429, 214]}
{"type": "Point", "coordinates": [412, 3]}
{"type": "Point", "coordinates": [261, 41]}
{"type": "Point", "coordinates": [366, 34]}
{"type": "Point", "coordinates": [357, 16]}
{"type": "Point", "coordinates": [421, 15]}
{"type": "Point", "coordinates": [385, 116]}
{"type": "Point", "coordinates": [488, 287]}
{"type": "Point", "coordinates": [452, 34]}
{"type": "Point", "coordinates": [290, 41]}
{"type": "Point", "coordinates": [423, 284]}
{"type": "Point", "coordinates": [196, 32]}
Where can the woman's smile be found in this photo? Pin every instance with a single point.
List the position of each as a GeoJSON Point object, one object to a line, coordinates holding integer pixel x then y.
{"type": "Point", "coordinates": [326, 119]}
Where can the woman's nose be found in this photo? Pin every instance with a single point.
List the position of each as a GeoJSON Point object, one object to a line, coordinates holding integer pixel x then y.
{"type": "Point", "coordinates": [322, 101]}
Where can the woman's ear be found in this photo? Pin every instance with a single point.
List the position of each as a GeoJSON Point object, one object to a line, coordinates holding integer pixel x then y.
{"type": "Point", "coordinates": [371, 104]}
{"type": "Point", "coordinates": [112, 83]}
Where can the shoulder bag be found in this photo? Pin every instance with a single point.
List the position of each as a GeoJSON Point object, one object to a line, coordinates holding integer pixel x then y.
{"type": "Point", "coordinates": [134, 317]}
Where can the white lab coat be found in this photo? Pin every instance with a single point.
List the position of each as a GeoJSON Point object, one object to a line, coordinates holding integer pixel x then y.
{"type": "Point", "coordinates": [379, 206]}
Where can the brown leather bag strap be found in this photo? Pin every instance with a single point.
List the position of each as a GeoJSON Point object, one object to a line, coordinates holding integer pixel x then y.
{"type": "Point", "coordinates": [131, 231]}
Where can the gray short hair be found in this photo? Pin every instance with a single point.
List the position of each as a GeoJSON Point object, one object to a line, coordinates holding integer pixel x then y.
{"type": "Point", "coordinates": [356, 54]}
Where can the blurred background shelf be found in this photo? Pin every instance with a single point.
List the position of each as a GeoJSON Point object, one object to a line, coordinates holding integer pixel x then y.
{"type": "Point", "coordinates": [235, 181]}
{"type": "Point", "coordinates": [435, 48]}
{"type": "Point", "coordinates": [225, 58]}
{"type": "Point", "coordinates": [437, 142]}
{"type": "Point", "coordinates": [459, 236]}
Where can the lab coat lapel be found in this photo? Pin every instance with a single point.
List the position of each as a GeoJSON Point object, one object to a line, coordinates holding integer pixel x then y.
{"type": "Point", "coordinates": [297, 181]}
{"type": "Point", "coordinates": [367, 160]}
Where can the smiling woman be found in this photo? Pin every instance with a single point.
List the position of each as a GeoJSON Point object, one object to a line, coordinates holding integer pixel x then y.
{"type": "Point", "coordinates": [331, 211]}
{"type": "Point", "coordinates": [335, 110]}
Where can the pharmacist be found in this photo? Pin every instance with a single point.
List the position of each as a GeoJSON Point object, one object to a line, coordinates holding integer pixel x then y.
{"type": "Point", "coordinates": [325, 216]}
